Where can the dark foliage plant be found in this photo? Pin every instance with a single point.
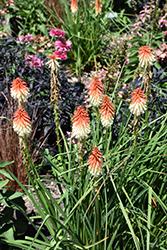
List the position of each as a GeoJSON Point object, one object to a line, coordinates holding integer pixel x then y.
{"type": "Point", "coordinates": [13, 64]}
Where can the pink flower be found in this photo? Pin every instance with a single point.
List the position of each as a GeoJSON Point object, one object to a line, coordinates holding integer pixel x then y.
{"type": "Point", "coordinates": [62, 45]}
{"type": "Point", "coordinates": [124, 86]}
{"type": "Point", "coordinates": [60, 55]}
{"type": "Point", "coordinates": [57, 33]}
{"type": "Point", "coordinates": [34, 61]}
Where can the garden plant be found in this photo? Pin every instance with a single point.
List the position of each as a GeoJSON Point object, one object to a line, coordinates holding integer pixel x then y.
{"type": "Point", "coordinates": [101, 142]}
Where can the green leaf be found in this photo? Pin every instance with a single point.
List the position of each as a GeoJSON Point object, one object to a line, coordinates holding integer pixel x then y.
{"type": "Point", "coordinates": [9, 234]}
{"type": "Point", "coordinates": [4, 173]}
{"type": "Point", "coordinates": [4, 164]}
{"type": "Point", "coordinates": [3, 183]}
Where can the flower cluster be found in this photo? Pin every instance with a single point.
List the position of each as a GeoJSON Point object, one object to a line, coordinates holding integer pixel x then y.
{"type": "Point", "coordinates": [34, 61]}
{"type": "Point", "coordinates": [25, 39]}
{"type": "Point", "coordinates": [61, 45]}
{"type": "Point", "coordinates": [57, 33]}
{"type": "Point", "coordinates": [161, 53]}
{"type": "Point", "coordinates": [21, 121]}
{"type": "Point", "coordinates": [163, 21]}
{"type": "Point", "coordinates": [144, 17]}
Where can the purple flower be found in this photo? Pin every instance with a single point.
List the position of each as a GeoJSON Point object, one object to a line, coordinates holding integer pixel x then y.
{"type": "Point", "coordinates": [3, 22]}
{"type": "Point", "coordinates": [57, 33]}
{"type": "Point", "coordinates": [62, 45]}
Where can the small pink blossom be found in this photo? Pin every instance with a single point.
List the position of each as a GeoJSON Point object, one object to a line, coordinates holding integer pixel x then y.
{"type": "Point", "coordinates": [60, 55]}
{"type": "Point", "coordinates": [34, 61]}
{"type": "Point", "coordinates": [57, 33]}
{"type": "Point", "coordinates": [124, 86]}
{"type": "Point", "coordinates": [62, 45]}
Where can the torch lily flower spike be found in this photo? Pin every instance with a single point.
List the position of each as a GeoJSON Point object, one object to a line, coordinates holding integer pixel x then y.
{"type": "Point", "coordinates": [19, 90]}
{"type": "Point", "coordinates": [107, 112]}
{"type": "Point", "coordinates": [146, 57]}
{"type": "Point", "coordinates": [94, 161]}
{"type": "Point", "coordinates": [138, 103]}
{"type": "Point", "coordinates": [22, 123]}
{"type": "Point", "coordinates": [80, 124]}
{"type": "Point", "coordinates": [95, 92]}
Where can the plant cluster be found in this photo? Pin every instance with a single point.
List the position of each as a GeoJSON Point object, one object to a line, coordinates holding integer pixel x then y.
{"type": "Point", "coordinates": [109, 164]}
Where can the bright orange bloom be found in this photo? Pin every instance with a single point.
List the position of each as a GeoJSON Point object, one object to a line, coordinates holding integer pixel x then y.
{"type": "Point", "coordinates": [98, 7]}
{"type": "Point", "coordinates": [22, 123]}
{"type": "Point", "coordinates": [138, 103]}
{"type": "Point", "coordinates": [19, 90]}
{"type": "Point", "coordinates": [94, 161]}
{"type": "Point", "coordinates": [74, 6]}
{"type": "Point", "coordinates": [81, 124]}
{"type": "Point", "coordinates": [96, 91]}
{"type": "Point", "coordinates": [107, 112]}
{"type": "Point", "coordinates": [146, 57]}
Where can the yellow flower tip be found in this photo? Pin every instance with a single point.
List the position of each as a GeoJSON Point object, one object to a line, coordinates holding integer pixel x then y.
{"type": "Point", "coordinates": [138, 103]}
{"type": "Point", "coordinates": [19, 90]}
{"type": "Point", "coordinates": [80, 124]}
{"type": "Point", "coordinates": [22, 123]}
{"type": "Point", "coordinates": [94, 161]}
{"type": "Point", "coordinates": [95, 92]}
{"type": "Point", "coordinates": [146, 57]}
{"type": "Point", "coordinates": [107, 112]}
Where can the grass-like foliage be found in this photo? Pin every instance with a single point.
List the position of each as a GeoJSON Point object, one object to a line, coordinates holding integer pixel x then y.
{"type": "Point", "coordinates": [110, 167]}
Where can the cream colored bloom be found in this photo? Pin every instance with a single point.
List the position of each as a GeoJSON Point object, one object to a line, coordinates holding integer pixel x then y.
{"type": "Point", "coordinates": [107, 112]}
{"type": "Point", "coordinates": [146, 57]}
{"type": "Point", "coordinates": [19, 90]}
{"type": "Point", "coordinates": [80, 124]}
{"type": "Point", "coordinates": [53, 63]}
{"type": "Point", "coordinates": [22, 123]}
{"type": "Point", "coordinates": [138, 103]}
{"type": "Point", "coordinates": [74, 6]}
{"type": "Point", "coordinates": [95, 92]}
